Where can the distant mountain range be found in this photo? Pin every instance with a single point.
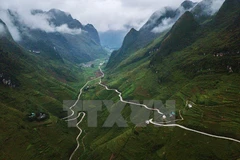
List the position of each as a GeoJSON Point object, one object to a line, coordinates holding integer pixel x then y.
{"type": "Point", "coordinates": [57, 32]}
{"type": "Point", "coordinates": [112, 39]}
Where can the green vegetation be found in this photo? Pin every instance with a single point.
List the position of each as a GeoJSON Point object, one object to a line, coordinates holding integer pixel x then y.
{"type": "Point", "coordinates": [197, 72]}
{"type": "Point", "coordinates": [41, 83]}
{"type": "Point", "coordinates": [197, 64]}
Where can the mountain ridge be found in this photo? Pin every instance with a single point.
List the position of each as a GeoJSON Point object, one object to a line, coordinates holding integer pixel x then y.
{"type": "Point", "coordinates": [65, 35]}
{"type": "Point", "coordinates": [146, 34]}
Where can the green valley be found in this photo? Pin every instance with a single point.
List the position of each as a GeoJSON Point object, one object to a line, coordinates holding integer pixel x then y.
{"type": "Point", "coordinates": [189, 55]}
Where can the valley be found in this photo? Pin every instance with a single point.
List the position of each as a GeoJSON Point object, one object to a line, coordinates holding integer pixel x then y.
{"type": "Point", "coordinates": [168, 90]}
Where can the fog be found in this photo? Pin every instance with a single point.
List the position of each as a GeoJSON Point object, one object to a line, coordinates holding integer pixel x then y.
{"type": "Point", "coordinates": [11, 27]}
{"type": "Point", "coordinates": [2, 29]}
{"type": "Point", "coordinates": [167, 23]}
{"type": "Point", "coordinates": [104, 15]}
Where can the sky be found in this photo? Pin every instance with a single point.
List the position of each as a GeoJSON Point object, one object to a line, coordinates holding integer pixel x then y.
{"type": "Point", "coordinates": [105, 15]}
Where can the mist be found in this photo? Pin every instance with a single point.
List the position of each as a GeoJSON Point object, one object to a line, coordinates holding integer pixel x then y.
{"type": "Point", "coordinates": [167, 23]}
{"type": "Point", "coordinates": [2, 30]}
{"type": "Point", "coordinates": [107, 15]}
{"type": "Point", "coordinates": [216, 4]}
{"type": "Point", "coordinates": [212, 7]}
{"type": "Point", "coordinates": [7, 19]}
{"type": "Point", "coordinates": [39, 21]}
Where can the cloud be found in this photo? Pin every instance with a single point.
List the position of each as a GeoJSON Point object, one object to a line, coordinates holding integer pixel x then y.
{"type": "Point", "coordinates": [212, 7]}
{"type": "Point", "coordinates": [2, 29]}
{"type": "Point", "coordinates": [216, 6]}
{"type": "Point", "coordinates": [37, 21]}
{"type": "Point", "coordinates": [103, 14]}
{"type": "Point", "coordinates": [11, 27]}
{"type": "Point", "coordinates": [166, 24]}
{"type": "Point", "coordinates": [65, 29]}
{"type": "Point", "coordinates": [40, 21]}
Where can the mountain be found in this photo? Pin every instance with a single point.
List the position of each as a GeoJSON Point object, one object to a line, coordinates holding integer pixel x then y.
{"type": "Point", "coordinates": [167, 13]}
{"type": "Point", "coordinates": [61, 34]}
{"type": "Point", "coordinates": [201, 71]}
{"type": "Point", "coordinates": [127, 42]}
{"type": "Point", "coordinates": [226, 14]}
{"type": "Point", "coordinates": [205, 9]}
{"type": "Point", "coordinates": [156, 26]}
{"type": "Point", "coordinates": [30, 83]}
{"type": "Point", "coordinates": [4, 32]}
{"type": "Point", "coordinates": [180, 36]}
{"type": "Point", "coordinates": [59, 18]}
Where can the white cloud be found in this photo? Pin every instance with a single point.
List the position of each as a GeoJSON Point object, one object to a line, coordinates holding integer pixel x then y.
{"type": "Point", "coordinates": [64, 29]}
{"type": "Point", "coordinates": [211, 6]}
{"type": "Point", "coordinates": [103, 14]}
{"type": "Point", "coordinates": [37, 21]}
{"type": "Point", "coordinates": [41, 21]}
{"type": "Point", "coordinates": [216, 6]}
{"type": "Point", "coordinates": [166, 24]}
{"type": "Point", "coordinates": [11, 27]}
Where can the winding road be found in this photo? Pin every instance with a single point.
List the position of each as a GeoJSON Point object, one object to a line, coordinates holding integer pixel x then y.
{"type": "Point", "coordinates": [80, 93]}
{"type": "Point", "coordinates": [120, 95]}
{"type": "Point", "coordinates": [162, 124]}
{"type": "Point", "coordinates": [192, 130]}
{"type": "Point", "coordinates": [80, 131]}
{"type": "Point", "coordinates": [79, 114]}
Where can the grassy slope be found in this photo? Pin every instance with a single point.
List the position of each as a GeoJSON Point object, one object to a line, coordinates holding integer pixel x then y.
{"type": "Point", "coordinates": [190, 74]}
{"type": "Point", "coordinates": [42, 86]}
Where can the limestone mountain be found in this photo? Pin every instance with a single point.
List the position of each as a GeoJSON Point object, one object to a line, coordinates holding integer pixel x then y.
{"type": "Point", "coordinates": [205, 9]}
{"type": "Point", "coordinates": [180, 36]}
{"type": "Point", "coordinates": [65, 35]}
{"type": "Point", "coordinates": [167, 13]}
{"type": "Point", "coordinates": [4, 32]}
{"type": "Point", "coordinates": [159, 22]}
{"type": "Point", "coordinates": [200, 63]}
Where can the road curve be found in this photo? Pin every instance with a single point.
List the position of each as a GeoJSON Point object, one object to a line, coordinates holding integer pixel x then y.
{"type": "Point", "coordinates": [80, 132]}
{"type": "Point", "coordinates": [120, 95]}
{"type": "Point", "coordinates": [192, 130]}
{"type": "Point", "coordinates": [80, 93]}
{"type": "Point", "coordinates": [137, 104]}
{"type": "Point", "coordinates": [73, 112]}
{"type": "Point", "coordinates": [160, 124]}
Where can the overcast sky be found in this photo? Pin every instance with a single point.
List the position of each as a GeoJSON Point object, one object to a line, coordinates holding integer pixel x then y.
{"type": "Point", "coordinates": [103, 14]}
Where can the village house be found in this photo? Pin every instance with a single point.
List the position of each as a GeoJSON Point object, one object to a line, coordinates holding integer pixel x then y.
{"type": "Point", "coordinates": [37, 52]}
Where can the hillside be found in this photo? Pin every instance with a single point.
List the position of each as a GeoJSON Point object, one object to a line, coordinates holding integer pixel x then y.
{"type": "Point", "coordinates": [64, 35]}
{"type": "Point", "coordinates": [183, 61]}
{"type": "Point", "coordinates": [202, 73]}
{"type": "Point", "coordinates": [31, 83]}
{"type": "Point", "coordinates": [158, 23]}
{"type": "Point", "coordinates": [180, 36]}
{"type": "Point", "coordinates": [205, 9]}
{"type": "Point", "coordinates": [117, 56]}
